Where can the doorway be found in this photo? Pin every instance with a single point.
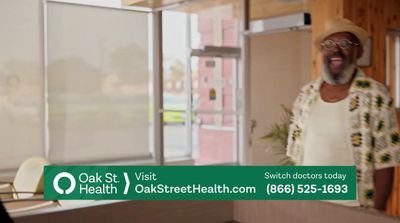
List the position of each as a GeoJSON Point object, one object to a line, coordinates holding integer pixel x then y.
{"type": "Point", "coordinates": [201, 56]}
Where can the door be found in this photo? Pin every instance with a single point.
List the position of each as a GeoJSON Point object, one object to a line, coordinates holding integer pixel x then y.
{"type": "Point", "coordinates": [200, 82]}
{"type": "Point", "coordinates": [280, 63]}
{"type": "Point", "coordinates": [214, 126]}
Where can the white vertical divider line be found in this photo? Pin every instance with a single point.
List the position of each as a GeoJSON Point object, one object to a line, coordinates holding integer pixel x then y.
{"type": "Point", "coordinates": [46, 139]}
{"type": "Point", "coordinates": [244, 153]}
{"type": "Point", "coordinates": [188, 86]}
{"type": "Point", "coordinates": [235, 119]}
{"type": "Point", "coordinates": [235, 91]}
{"type": "Point", "coordinates": [151, 89]}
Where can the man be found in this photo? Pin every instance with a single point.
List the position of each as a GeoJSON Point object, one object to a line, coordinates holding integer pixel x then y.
{"type": "Point", "coordinates": [346, 118]}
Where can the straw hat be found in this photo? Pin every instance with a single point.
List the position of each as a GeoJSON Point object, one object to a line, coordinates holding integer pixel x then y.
{"type": "Point", "coordinates": [340, 25]}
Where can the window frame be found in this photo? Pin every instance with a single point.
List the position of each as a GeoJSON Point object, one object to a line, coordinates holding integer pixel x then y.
{"type": "Point", "coordinates": [393, 65]}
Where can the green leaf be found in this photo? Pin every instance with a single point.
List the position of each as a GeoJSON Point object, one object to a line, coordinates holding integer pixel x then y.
{"type": "Point", "coordinates": [278, 132]}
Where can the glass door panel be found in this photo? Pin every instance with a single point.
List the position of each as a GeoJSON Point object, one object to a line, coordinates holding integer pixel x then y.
{"type": "Point", "coordinates": [200, 52]}
{"type": "Point", "coordinates": [214, 135]}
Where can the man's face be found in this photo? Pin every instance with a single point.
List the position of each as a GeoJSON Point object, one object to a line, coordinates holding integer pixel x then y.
{"type": "Point", "coordinates": [339, 56]}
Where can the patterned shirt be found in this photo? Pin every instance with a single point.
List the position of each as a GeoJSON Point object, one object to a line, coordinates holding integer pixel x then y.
{"type": "Point", "coordinates": [374, 135]}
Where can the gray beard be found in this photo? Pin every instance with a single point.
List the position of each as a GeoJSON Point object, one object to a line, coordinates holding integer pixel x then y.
{"type": "Point", "coordinates": [342, 78]}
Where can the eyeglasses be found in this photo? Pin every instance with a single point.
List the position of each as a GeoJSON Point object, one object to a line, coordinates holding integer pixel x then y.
{"type": "Point", "coordinates": [343, 44]}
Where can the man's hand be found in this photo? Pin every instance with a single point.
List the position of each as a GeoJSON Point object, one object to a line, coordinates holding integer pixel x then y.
{"type": "Point", "coordinates": [383, 180]}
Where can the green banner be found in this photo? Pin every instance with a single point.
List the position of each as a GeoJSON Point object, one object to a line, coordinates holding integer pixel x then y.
{"type": "Point", "coordinates": [200, 182]}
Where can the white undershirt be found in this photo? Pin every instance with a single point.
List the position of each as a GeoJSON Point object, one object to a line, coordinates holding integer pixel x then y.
{"type": "Point", "coordinates": [326, 138]}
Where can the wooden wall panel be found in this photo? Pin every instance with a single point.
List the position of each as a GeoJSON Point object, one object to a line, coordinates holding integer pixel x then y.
{"type": "Point", "coordinates": [392, 11]}
{"type": "Point", "coordinates": [392, 65]}
{"type": "Point", "coordinates": [130, 2]}
{"type": "Point", "coordinates": [322, 10]}
{"type": "Point", "coordinates": [393, 206]}
{"type": "Point", "coordinates": [260, 9]}
{"type": "Point", "coordinates": [377, 31]}
{"type": "Point", "coordinates": [358, 11]}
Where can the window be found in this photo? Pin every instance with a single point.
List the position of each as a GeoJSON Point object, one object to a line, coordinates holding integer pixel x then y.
{"type": "Point", "coordinates": [98, 83]}
{"type": "Point", "coordinates": [88, 67]}
{"type": "Point", "coordinates": [83, 88]}
{"type": "Point", "coordinates": [175, 98]}
{"type": "Point", "coordinates": [21, 82]}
